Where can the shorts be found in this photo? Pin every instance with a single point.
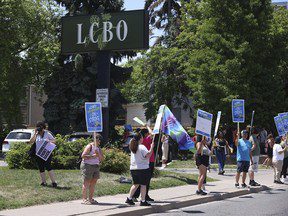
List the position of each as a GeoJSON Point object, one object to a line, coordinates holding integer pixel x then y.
{"type": "Point", "coordinates": [90, 171]}
{"type": "Point", "coordinates": [202, 160]}
{"type": "Point", "coordinates": [243, 166]}
{"type": "Point", "coordinates": [141, 177]}
{"type": "Point", "coordinates": [42, 164]}
{"type": "Point", "coordinates": [254, 166]}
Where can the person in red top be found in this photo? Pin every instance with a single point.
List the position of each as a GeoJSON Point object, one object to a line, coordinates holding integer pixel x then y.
{"type": "Point", "coordinates": [147, 141]}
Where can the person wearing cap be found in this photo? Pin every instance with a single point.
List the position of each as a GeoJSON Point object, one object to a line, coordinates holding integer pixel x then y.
{"type": "Point", "coordinates": [254, 139]}
{"type": "Point", "coordinates": [277, 160]}
{"type": "Point", "coordinates": [91, 158]}
{"type": "Point", "coordinates": [244, 155]}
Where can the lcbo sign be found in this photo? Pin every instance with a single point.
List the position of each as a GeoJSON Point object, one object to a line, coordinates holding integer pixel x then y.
{"type": "Point", "coordinates": [114, 31]}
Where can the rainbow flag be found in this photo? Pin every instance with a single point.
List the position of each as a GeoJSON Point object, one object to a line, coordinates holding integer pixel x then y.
{"type": "Point", "coordinates": [174, 129]}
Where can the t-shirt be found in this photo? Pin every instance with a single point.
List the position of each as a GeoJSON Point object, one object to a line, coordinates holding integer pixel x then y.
{"type": "Point", "coordinates": [253, 139]}
{"type": "Point", "coordinates": [243, 150]}
{"type": "Point", "coordinates": [138, 160]}
{"type": "Point", "coordinates": [39, 139]}
{"type": "Point", "coordinates": [147, 141]}
{"type": "Point", "coordinates": [276, 155]}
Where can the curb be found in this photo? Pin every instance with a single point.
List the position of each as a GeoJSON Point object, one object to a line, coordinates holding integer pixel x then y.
{"type": "Point", "coordinates": [181, 204]}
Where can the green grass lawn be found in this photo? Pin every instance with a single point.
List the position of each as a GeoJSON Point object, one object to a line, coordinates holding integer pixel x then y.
{"type": "Point", "coordinates": [20, 188]}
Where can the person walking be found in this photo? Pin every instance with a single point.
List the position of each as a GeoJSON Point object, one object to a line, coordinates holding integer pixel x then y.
{"type": "Point", "coordinates": [165, 150]}
{"type": "Point", "coordinates": [202, 161]}
{"type": "Point", "coordinates": [254, 139]}
{"type": "Point", "coordinates": [139, 168]}
{"type": "Point", "coordinates": [244, 155]}
{"type": "Point", "coordinates": [220, 151]}
{"type": "Point", "coordinates": [38, 138]}
{"type": "Point", "coordinates": [147, 142]}
{"type": "Point", "coordinates": [277, 160]}
{"type": "Point", "coordinates": [269, 146]}
{"type": "Point", "coordinates": [91, 158]}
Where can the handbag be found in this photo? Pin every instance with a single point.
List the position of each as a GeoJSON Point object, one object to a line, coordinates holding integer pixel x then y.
{"type": "Point", "coordinates": [32, 150]}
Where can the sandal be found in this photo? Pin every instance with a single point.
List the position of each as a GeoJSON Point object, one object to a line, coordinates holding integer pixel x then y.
{"type": "Point", "coordinates": [85, 202]}
{"type": "Point", "coordinates": [93, 202]}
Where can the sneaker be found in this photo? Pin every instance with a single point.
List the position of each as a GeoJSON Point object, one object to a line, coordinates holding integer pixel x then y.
{"type": "Point", "coordinates": [278, 182]}
{"type": "Point", "coordinates": [129, 201]}
{"type": "Point", "coordinates": [237, 185]}
{"type": "Point", "coordinates": [134, 199]}
{"type": "Point", "coordinates": [201, 192]}
{"type": "Point", "coordinates": [244, 185]}
{"type": "Point", "coordinates": [43, 184]}
{"type": "Point", "coordinates": [145, 203]}
{"type": "Point", "coordinates": [54, 184]}
{"type": "Point", "coordinates": [253, 183]}
{"type": "Point", "coordinates": [149, 199]}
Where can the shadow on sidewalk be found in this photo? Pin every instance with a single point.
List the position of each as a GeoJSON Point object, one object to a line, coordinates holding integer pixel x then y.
{"type": "Point", "coordinates": [184, 179]}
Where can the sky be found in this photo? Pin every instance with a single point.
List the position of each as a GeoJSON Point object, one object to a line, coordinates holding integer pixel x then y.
{"type": "Point", "coordinates": [134, 4]}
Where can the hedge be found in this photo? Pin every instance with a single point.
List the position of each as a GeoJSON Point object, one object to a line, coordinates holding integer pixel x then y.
{"type": "Point", "coordinates": [66, 156]}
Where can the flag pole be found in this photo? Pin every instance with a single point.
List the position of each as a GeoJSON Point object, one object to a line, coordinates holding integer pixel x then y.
{"type": "Point", "coordinates": [160, 134]}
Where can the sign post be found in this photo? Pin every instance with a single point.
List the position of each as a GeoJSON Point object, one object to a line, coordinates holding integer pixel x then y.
{"type": "Point", "coordinates": [103, 82]}
{"type": "Point", "coordinates": [103, 33]}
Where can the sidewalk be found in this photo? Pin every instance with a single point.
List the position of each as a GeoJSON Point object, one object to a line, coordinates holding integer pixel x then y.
{"type": "Point", "coordinates": [167, 199]}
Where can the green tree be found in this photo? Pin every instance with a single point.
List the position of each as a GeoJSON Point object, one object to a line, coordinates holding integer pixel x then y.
{"type": "Point", "coordinates": [228, 48]}
{"type": "Point", "coordinates": [27, 48]}
{"type": "Point", "coordinates": [157, 77]}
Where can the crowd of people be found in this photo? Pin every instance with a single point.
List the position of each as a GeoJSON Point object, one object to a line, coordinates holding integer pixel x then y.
{"type": "Point", "coordinates": [140, 145]}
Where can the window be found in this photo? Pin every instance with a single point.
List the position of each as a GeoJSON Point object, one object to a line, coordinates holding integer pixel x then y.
{"type": "Point", "coordinates": [19, 135]}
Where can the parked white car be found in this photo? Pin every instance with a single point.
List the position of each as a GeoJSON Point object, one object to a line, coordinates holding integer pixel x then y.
{"type": "Point", "coordinates": [18, 135]}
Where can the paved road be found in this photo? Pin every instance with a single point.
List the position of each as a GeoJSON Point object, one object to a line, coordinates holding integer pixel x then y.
{"type": "Point", "coordinates": [273, 202]}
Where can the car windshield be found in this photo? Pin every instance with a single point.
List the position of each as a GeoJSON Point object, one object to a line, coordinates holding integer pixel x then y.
{"type": "Point", "coordinates": [19, 135]}
{"type": "Point", "coordinates": [74, 137]}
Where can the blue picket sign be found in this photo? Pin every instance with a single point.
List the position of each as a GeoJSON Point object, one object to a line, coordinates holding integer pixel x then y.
{"type": "Point", "coordinates": [279, 125]}
{"type": "Point", "coordinates": [93, 115]}
{"type": "Point", "coordinates": [238, 111]}
{"type": "Point", "coordinates": [284, 118]}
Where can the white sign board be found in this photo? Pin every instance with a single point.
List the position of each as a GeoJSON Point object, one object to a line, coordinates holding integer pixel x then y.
{"type": "Point", "coordinates": [45, 150]}
{"type": "Point", "coordinates": [158, 123]}
{"type": "Point", "coordinates": [102, 96]}
{"type": "Point", "coordinates": [217, 123]}
{"type": "Point", "coordinates": [203, 123]}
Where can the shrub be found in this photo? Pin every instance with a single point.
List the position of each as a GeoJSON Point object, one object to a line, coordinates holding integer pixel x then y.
{"type": "Point", "coordinates": [18, 158]}
{"type": "Point", "coordinates": [115, 161]}
{"type": "Point", "coordinates": [66, 156]}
